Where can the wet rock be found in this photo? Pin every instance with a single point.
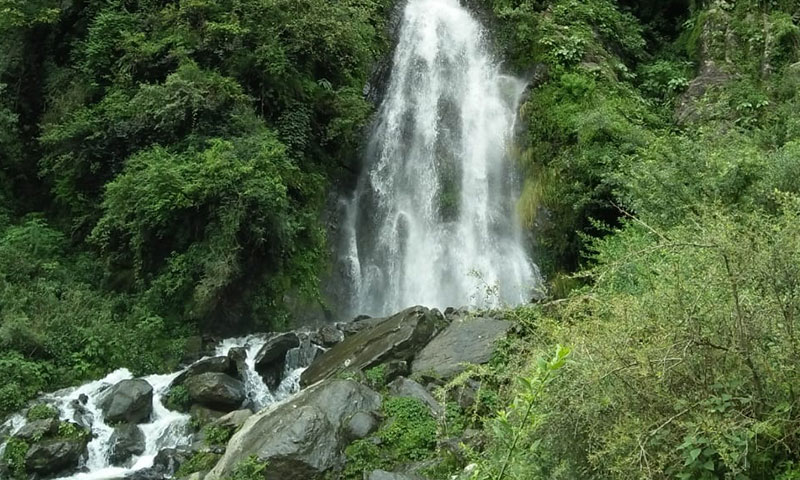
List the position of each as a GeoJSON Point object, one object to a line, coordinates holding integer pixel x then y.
{"type": "Point", "coordinates": [80, 414]}
{"type": "Point", "coordinates": [361, 425]}
{"type": "Point", "coordinates": [327, 336]}
{"type": "Point", "coordinates": [464, 341]}
{"type": "Point", "coordinates": [37, 429]}
{"type": "Point", "coordinates": [203, 415]}
{"type": "Point", "coordinates": [128, 401]}
{"type": "Point", "coordinates": [55, 455]}
{"type": "Point", "coordinates": [398, 337]}
{"type": "Point", "coordinates": [404, 387]}
{"type": "Point", "coordinates": [221, 364]}
{"type": "Point", "coordinates": [301, 439]}
{"type": "Point", "coordinates": [360, 323]}
{"type": "Point", "coordinates": [169, 460]}
{"type": "Point", "coordinates": [238, 357]}
{"type": "Point", "coordinates": [271, 359]}
{"type": "Point", "coordinates": [215, 390]}
{"type": "Point", "coordinates": [127, 441]}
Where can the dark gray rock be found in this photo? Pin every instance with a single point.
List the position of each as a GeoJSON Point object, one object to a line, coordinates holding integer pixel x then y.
{"type": "Point", "coordinates": [398, 337]}
{"type": "Point", "coordinates": [203, 415]}
{"type": "Point", "coordinates": [464, 341]}
{"type": "Point", "coordinates": [38, 429]}
{"type": "Point", "coordinates": [404, 387]}
{"type": "Point", "coordinates": [127, 441]}
{"type": "Point", "coordinates": [55, 455]}
{"type": "Point", "coordinates": [233, 419]}
{"type": "Point", "coordinates": [301, 439]}
{"type": "Point", "coordinates": [215, 390]}
{"type": "Point", "coordinates": [221, 364]}
{"type": "Point", "coordinates": [238, 357]}
{"type": "Point", "coordinates": [169, 460]}
{"type": "Point", "coordinates": [128, 401]}
{"type": "Point", "coordinates": [396, 368]}
{"type": "Point", "coordinates": [327, 336]}
{"type": "Point", "coordinates": [361, 425]}
{"type": "Point", "coordinates": [275, 349]}
{"type": "Point", "coordinates": [271, 359]}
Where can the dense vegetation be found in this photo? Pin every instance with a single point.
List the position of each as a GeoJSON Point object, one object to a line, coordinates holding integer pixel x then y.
{"type": "Point", "coordinates": [162, 171]}
{"type": "Point", "coordinates": [664, 181]}
{"type": "Point", "coordinates": [163, 166]}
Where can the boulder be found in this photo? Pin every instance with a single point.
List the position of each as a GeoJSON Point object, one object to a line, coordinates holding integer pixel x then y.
{"type": "Point", "coordinates": [55, 455]}
{"type": "Point", "coordinates": [327, 336]}
{"type": "Point", "coordinates": [233, 419]}
{"type": "Point", "coordinates": [361, 425]}
{"type": "Point", "coordinates": [275, 349]}
{"type": "Point", "coordinates": [203, 415]}
{"type": "Point", "coordinates": [404, 387]}
{"type": "Point", "coordinates": [303, 438]}
{"type": "Point", "coordinates": [221, 364]}
{"type": "Point", "coordinates": [215, 390]}
{"type": "Point", "coordinates": [271, 358]}
{"type": "Point", "coordinates": [169, 460]}
{"type": "Point", "coordinates": [33, 431]}
{"type": "Point", "coordinates": [398, 337]}
{"type": "Point", "coordinates": [464, 341]}
{"type": "Point", "coordinates": [128, 401]}
{"type": "Point", "coordinates": [127, 441]}
{"type": "Point", "coordinates": [238, 358]}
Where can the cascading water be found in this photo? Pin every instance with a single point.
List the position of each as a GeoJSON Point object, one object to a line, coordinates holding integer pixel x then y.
{"type": "Point", "coordinates": [432, 221]}
{"type": "Point", "coordinates": [166, 428]}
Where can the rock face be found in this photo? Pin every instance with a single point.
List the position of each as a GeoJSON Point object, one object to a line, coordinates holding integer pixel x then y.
{"type": "Point", "coordinates": [52, 456]}
{"type": "Point", "coordinates": [127, 441]}
{"type": "Point", "coordinates": [398, 337]}
{"type": "Point", "coordinates": [215, 390]}
{"type": "Point", "coordinates": [128, 401]}
{"type": "Point", "coordinates": [301, 439]}
{"type": "Point", "coordinates": [465, 340]}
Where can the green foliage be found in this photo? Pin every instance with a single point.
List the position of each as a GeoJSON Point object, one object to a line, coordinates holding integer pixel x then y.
{"type": "Point", "coordinates": [14, 457]}
{"type": "Point", "coordinates": [376, 376]}
{"type": "Point", "coordinates": [178, 399]}
{"type": "Point", "coordinates": [41, 411]}
{"type": "Point", "coordinates": [199, 462]}
{"type": "Point", "coordinates": [72, 431]}
{"type": "Point", "coordinates": [250, 469]}
{"type": "Point", "coordinates": [215, 435]}
{"type": "Point", "coordinates": [408, 434]}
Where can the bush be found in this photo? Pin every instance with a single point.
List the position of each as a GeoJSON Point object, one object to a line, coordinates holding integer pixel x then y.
{"type": "Point", "coordinates": [41, 411]}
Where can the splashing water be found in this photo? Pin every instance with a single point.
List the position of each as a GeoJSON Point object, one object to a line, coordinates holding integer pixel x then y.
{"type": "Point", "coordinates": [433, 221]}
{"type": "Point", "coordinates": [166, 428]}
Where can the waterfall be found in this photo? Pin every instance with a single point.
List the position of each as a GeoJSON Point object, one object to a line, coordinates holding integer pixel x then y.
{"type": "Point", "coordinates": [433, 219]}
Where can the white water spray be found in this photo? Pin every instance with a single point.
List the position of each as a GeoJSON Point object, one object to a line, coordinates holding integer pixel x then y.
{"type": "Point", "coordinates": [433, 219]}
